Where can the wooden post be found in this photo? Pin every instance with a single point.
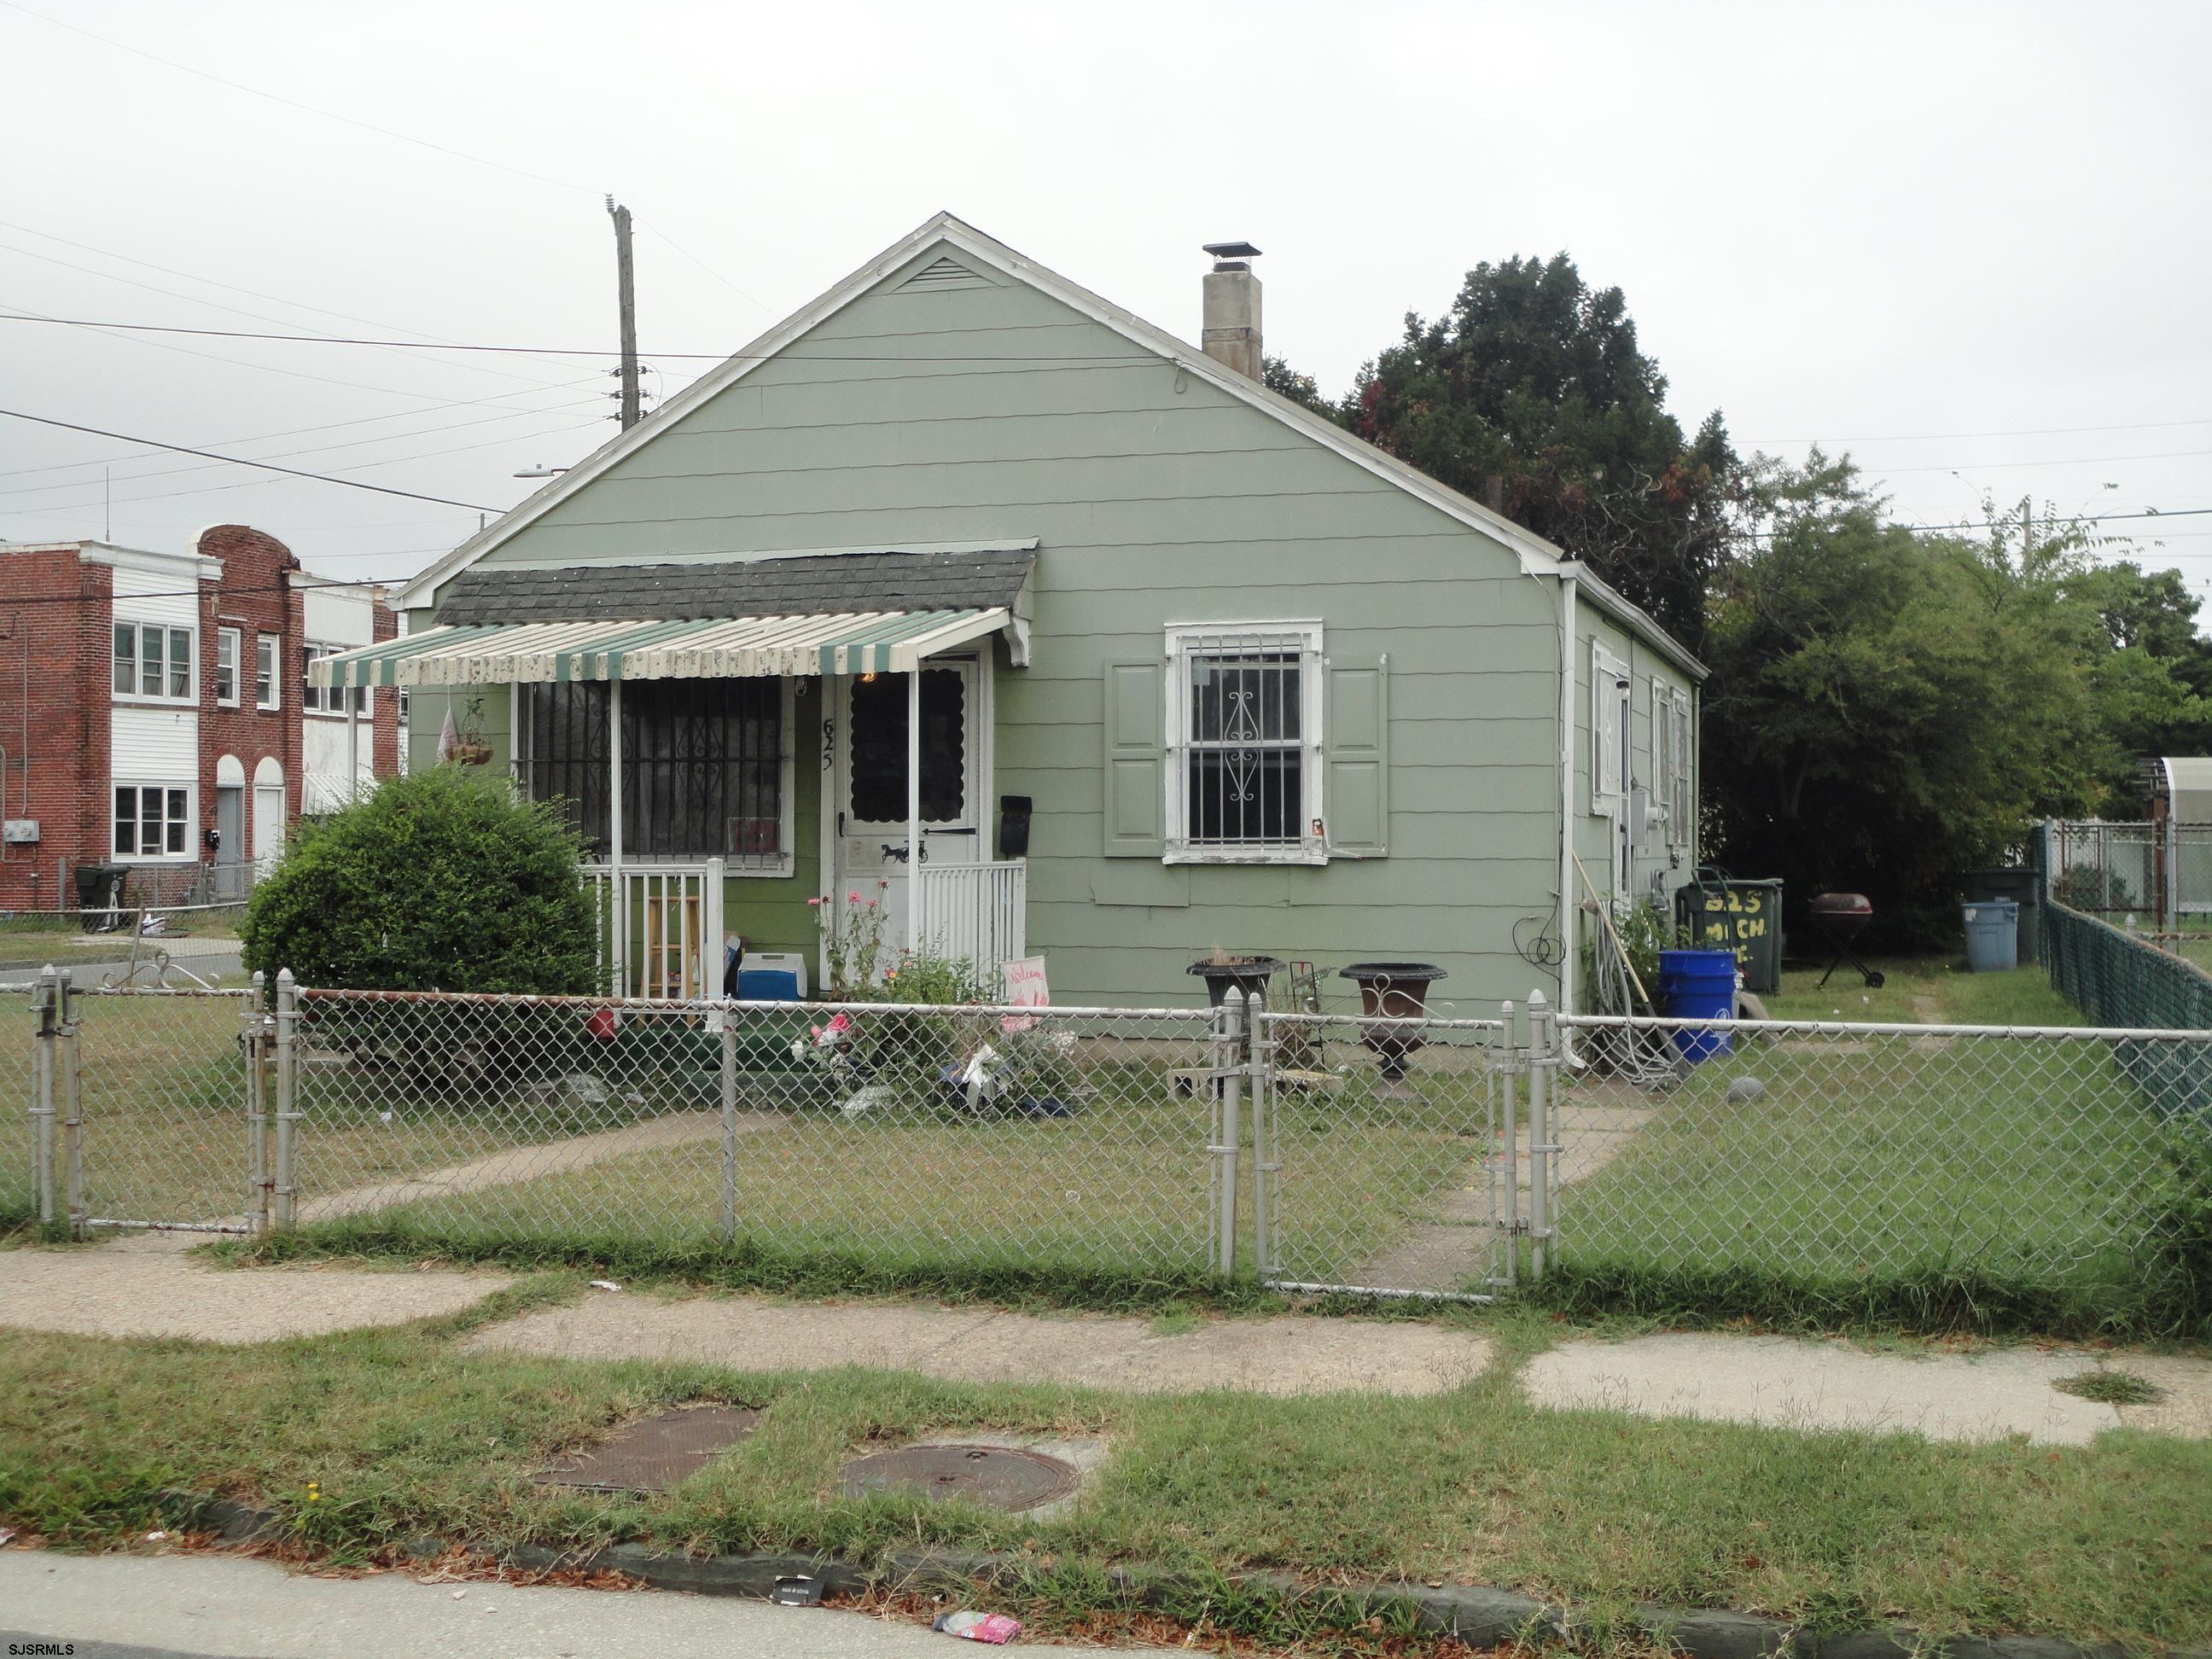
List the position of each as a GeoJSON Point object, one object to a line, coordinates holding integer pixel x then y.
{"type": "Point", "coordinates": [626, 286]}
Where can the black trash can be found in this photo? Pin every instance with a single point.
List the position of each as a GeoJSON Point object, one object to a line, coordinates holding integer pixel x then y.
{"type": "Point", "coordinates": [99, 886]}
{"type": "Point", "coordinates": [1721, 914]}
{"type": "Point", "coordinates": [2024, 888]}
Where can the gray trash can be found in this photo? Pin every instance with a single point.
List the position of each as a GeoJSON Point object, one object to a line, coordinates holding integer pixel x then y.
{"type": "Point", "coordinates": [1992, 936]}
{"type": "Point", "coordinates": [2023, 887]}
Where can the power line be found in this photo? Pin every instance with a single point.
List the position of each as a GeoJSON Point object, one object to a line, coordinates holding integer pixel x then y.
{"type": "Point", "coordinates": [2017, 431]}
{"type": "Point", "coordinates": [2058, 460]}
{"type": "Point", "coordinates": [293, 103]}
{"type": "Point", "coordinates": [562, 352]}
{"type": "Point", "coordinates": [267, 466]}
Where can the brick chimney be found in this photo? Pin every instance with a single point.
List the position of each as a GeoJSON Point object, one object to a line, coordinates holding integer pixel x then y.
{"type": "Point", "coordinates": [1232, 317]}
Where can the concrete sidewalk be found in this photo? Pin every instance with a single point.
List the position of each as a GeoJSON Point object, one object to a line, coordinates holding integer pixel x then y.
{"type": "Point", "coordinates": [200, 1607]}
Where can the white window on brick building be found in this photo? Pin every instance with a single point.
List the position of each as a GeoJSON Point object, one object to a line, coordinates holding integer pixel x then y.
{"type": "Point", "coordinates": [153, 821]}
{"type": "Point", "coordinates": [267, 693]}
{"type": "Point", "coordinates": [226, 666]}
{"type": "Point", "coordinates": [152, 661]}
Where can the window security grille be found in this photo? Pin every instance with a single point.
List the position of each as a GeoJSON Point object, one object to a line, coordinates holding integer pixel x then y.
{"type": "Point", "coordinates": [1243, 758]}
{"type": "Point", "coordinates": [702, 765]}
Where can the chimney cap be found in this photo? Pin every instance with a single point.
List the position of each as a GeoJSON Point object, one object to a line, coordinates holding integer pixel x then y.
{"type": "Point", "coordinates": [1230, 250]}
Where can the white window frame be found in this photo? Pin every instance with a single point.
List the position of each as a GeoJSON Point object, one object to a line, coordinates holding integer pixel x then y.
{"type": "Point", "coordinates": [169, 633]}
{"type": "Point", "coordinates": [228, 642]}
{"type": "Point", "coordinates": [328, 700]}
{"type": "Point", "coordinates": [1609, 764]}
{"type": "Point", "coordinates": [1681, 781]}
{"type": "Point", "coordinates": [167, 786]}
{"type": "Point", "coordinates": [272, 647]}
{"type": "Point", "coordinates": [1188, 640]}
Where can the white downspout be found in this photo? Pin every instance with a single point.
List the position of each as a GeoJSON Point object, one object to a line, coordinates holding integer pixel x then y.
{"type": "Point", "coordinates": [620, 908]}
{"type": "Point", "coordinates": [1569, 905]}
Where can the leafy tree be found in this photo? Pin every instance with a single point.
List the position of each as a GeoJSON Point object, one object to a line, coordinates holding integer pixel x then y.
{"type": "Point", "coordinates": [436, 882]}
{"type": "Point", "coordinates": [1535, 379]}
{"type": "Point", "coordinates": [1277, 375]}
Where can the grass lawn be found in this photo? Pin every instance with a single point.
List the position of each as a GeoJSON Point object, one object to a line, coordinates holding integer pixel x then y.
{"type": "Point", "coordinates": [403, 1433]}
{"type": "Point", "coordinates": [1887, 1176]}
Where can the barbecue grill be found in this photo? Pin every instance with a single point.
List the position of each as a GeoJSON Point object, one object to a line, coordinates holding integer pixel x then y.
{"type": "Point", "coordinates": [1841, 917]}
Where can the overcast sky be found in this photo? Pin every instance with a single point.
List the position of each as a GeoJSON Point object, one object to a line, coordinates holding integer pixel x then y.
{"type": "Point", "coordinates": [1949, 238]}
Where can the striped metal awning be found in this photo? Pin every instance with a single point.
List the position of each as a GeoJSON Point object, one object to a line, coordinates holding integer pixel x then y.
{"type": "Point", "coordinates": [727, 647]}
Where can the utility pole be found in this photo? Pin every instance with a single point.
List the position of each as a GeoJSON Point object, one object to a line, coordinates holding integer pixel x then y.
{"type": "Point", "coordinates": [626, 284]}
{"type": "Point", "coordinates": [2027, 530]}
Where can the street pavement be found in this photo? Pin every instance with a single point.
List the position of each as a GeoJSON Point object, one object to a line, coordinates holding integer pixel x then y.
{"type": "Point", "coordinates": [203, 1607]}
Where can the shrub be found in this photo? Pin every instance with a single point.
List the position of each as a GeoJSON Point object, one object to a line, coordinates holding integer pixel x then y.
{"type": "Point", "coordinates": [436, 881]}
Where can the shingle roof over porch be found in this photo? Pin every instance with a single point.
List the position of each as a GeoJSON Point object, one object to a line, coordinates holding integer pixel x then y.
{"type": "Point", "coordinates": [807, 585]}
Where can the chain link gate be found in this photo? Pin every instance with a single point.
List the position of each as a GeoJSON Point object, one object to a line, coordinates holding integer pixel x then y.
{"type": "Point", "coordinates": [149, 1108]}
{"type": "Point", "coordinates": [1394, 1156]}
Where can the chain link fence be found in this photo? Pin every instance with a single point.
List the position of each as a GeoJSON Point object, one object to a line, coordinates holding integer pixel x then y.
{"type": "Point", "coordinates": [914, 1139]}
{"type": "Point", "coordinates": [1707, 1164]}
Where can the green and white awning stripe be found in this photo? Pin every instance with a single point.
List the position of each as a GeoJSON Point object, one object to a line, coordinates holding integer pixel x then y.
{"type": "Point", "coordinates": [728, 647]}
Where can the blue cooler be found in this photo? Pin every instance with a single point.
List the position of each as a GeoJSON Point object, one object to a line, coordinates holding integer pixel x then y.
{"type": "Point", "coordinates": [1698, 985]}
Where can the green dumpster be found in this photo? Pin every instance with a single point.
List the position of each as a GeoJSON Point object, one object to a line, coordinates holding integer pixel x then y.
{"type": "Point", "coordinates": [1720, 913]}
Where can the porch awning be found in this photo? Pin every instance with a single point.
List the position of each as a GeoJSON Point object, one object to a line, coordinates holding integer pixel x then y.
{"type": "Point", "coordinates": [728, 647]}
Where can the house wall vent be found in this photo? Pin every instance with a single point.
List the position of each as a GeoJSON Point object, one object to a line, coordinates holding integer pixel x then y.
{"type": "Point", "coordinates": [942, 272]}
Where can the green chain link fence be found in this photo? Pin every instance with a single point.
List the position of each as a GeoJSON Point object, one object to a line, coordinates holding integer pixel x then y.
{"type": "Point", "coordinates": [2118, 979]}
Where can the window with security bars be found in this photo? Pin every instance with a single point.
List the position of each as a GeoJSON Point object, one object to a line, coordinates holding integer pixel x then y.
{"type": "Point", "coordinates": [702, 772]}
{"type": "Point", "coordinates": [1244, 741]}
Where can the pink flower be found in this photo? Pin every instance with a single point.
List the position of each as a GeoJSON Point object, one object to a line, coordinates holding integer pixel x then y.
{"type": "Point", "coordinates": [852, 898]}
{"type": "Point", "coordinates": [814, 1030]}
{"type": "Point", "coordinates": [872, 903]}
{"type": "Point", "coordinates": [883, 881]}
{"type": "Point", "coordinates": [839, 1022]}
{"type": "Point", "coordinates": [814, 900]}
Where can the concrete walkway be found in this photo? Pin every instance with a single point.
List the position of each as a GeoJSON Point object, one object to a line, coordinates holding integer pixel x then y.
{"type": "Point", "coordinates": [120, 1292]}
{"type": "Point", "coordinates": [1794, 1383]}
{"type": "Point", "coordinates": [1283, 1356]}
{"type": "Point", "coordinates": [180, 1607]}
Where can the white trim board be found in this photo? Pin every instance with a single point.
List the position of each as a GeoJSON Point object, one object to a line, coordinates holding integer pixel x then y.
{"type": "Point", "coordinates": [1537, 557]}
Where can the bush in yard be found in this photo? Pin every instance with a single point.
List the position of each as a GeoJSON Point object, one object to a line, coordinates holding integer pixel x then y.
{"type": "Point", "coordinates": [434, 882]}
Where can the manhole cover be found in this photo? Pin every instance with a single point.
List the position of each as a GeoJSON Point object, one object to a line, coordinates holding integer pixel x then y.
{"type": "Point", "coordinates": [656, 1452]}
{"type": "Point", "coordinates": [996, 1477]}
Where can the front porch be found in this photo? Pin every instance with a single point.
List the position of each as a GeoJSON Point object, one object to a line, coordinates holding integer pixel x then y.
{"type": "Point", "coordinates": [754, 779]}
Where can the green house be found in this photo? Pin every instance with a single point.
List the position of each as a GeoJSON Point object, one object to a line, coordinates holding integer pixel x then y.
{"type": "Point", "coordinates": [968, 593]}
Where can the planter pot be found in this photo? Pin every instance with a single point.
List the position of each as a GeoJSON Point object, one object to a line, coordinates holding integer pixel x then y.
{"type": "Point", "coordinates": [472, 754]}
{"type": "Point", "coordinates": [1249, 974]}
{"type": "Point", "coordinates": [1390, 991]}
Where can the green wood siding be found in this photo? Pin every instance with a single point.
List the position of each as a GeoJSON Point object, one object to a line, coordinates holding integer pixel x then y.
{"type": "Point", "coordinates": [1157, 498]}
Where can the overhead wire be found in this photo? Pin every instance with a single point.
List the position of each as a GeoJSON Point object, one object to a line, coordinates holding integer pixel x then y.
{"type": "Point", "coordinates": [267, 466]}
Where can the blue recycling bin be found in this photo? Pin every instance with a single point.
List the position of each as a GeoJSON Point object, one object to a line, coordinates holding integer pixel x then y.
{"type": "Point", "coordinates": [1698, 985]}
{"type": "Point", "coordinates": [1992, 935]}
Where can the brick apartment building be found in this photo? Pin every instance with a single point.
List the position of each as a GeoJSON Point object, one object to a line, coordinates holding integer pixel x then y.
{"type": "Point", "coordinates": [154, 712]}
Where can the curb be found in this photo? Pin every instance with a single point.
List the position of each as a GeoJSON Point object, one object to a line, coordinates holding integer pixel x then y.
{"type": "Point", "coordinates": [1480, 1616]}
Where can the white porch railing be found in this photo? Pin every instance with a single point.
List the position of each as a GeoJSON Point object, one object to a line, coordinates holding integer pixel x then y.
{"type": "Point", "coordinates": [978, 911]}
{"type": "Point", "coordinates": [660, 927]}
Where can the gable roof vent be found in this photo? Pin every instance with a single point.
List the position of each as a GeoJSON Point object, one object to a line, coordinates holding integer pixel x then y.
{"type": "Point", "coordinates": [943, 272]}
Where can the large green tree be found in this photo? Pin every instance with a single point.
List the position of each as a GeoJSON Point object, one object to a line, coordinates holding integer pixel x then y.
{"type": "Point", "coordinates": [1889, 709]}
{"type": "Point", "coordinates": [1533, 378]}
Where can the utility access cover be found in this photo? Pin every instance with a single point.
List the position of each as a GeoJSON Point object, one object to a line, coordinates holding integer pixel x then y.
{"type": "Point", "coordinates": [656, 1452]}
{"type": "Point", "coordinates": [996, 1477]}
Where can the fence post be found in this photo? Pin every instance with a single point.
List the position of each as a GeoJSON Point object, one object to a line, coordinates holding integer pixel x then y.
{"type": "Point", "coordinates": [1543, 1062]}
{"type": "Point", "coordinates": [46, 1012]}
{"type": "Point", "coordinates": [69, 1084]}
{"type": "Point", "coordinates": [252, 1040]}
{"type": "Point", "coordinates": [1509, 1215]}
{"type": "Point", "coordinates": [1264, 1163]}
{"type": "Point", "coordinates": [729, 1129]}
{"type": "Point", "coordinates": [288, 1091]}
{"type": "Point", "coordinates": [1225, 1084]}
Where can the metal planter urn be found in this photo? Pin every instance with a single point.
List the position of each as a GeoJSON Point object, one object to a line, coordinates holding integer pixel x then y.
{"type": "Point", "coordinates": [1392, 991]}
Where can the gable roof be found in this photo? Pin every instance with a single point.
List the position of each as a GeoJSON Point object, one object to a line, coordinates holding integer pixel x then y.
{"type": "Point", "coordinates": [1537, 557]}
